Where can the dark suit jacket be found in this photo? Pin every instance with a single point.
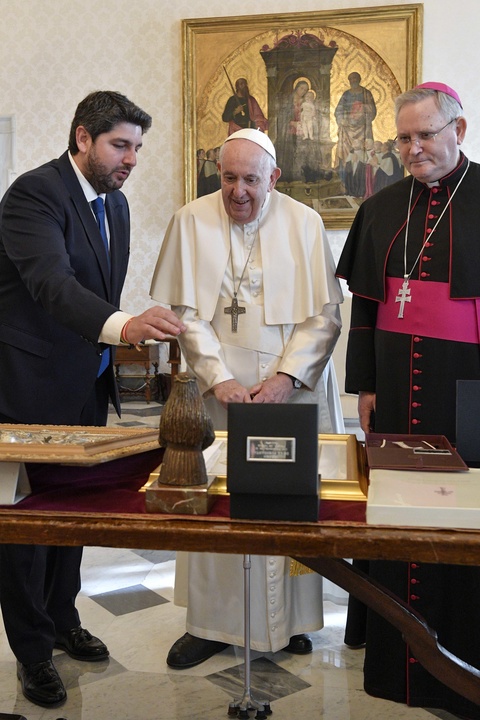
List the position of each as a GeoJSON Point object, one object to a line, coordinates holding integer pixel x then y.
{"type": "Point", "coordinates": [55, 293]}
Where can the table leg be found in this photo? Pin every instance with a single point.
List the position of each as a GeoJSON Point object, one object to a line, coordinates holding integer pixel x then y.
{"type": "Point", "coordinates": [449, 669]}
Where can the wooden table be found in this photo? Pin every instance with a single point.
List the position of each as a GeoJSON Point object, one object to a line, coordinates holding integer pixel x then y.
{"type": "Point", "coordinates": [331, 539]}
{"type": "Point", "coordinates": [321, 546]}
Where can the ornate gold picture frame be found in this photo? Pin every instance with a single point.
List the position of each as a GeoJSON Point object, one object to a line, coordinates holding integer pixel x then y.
{"type": "Point", "coordinates": [73, 444]}
{"type": "Point", "coordinates": [341, 466]}
{"type": "Point", "coordinates": [352, 63]}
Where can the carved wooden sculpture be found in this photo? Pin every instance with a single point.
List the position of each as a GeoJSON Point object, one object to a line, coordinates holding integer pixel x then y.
{"type": "Point", "coordinates": [185, 430]}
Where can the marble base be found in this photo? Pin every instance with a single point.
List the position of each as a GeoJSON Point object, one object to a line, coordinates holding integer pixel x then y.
{"type": "Point", "coordinates": [181, 500]}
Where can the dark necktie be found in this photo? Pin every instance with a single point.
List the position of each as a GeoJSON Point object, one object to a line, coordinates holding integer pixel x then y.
{"type": "Point", "coordinates": [98, 208]}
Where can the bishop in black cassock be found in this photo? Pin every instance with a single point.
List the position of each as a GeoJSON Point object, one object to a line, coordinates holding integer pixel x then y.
{"type": "Point", "coordinates": [412, 363]}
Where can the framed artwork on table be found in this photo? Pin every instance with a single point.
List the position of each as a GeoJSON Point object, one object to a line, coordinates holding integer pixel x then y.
{"type": "Point", "coordinates": [73, 444]}
{"type": "Point", "coordinates": [321, 84]}
{"type": "Point", "coordinates": [341, 467]}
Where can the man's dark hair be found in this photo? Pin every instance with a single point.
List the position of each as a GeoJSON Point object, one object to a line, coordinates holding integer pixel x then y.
{"type": "Point", "coordinates": [100, 111]}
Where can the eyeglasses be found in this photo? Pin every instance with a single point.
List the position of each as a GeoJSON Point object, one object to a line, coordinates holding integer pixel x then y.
{"type": "Point", "coordinates": [422, 137]}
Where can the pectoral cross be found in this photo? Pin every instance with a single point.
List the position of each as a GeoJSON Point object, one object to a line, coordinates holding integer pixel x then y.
{"type": "Point", "coordinates": [403, 297]}
{"type": "Point", "coordinates": [235, 311]}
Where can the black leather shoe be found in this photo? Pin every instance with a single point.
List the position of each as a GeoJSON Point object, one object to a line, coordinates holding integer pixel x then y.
{"type": "Point", "coordinates": [41, 684]}
{"type": "Point", "coordinates": [299, 645]}
{"type": "Point", "coordinates": [80, 645]}
{"type": "Point", "coordinates": [360, 646]}
{"type": "Point", "coordinates": [189, 651]}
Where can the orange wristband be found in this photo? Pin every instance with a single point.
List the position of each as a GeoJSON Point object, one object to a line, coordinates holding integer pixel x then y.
{"type": "Point", "coordinates": [123, 334]}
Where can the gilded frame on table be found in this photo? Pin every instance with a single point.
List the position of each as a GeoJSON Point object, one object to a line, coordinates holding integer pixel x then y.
{"type": "Point", "coordinates": [341, 464]}
{"type": "Point", "coordinates": [382, 44]}
{"type": "Point", "coordinates": [73, 444]}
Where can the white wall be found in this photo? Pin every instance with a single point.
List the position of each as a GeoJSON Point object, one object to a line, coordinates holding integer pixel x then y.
{"type": "Point", "coordinates": [53, 52]}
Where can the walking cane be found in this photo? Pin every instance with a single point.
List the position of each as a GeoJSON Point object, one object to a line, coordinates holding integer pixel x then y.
{"type": "Point", "coordinates": [241, 707]}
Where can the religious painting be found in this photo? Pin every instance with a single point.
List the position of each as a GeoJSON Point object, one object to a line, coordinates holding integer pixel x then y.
{"type": "Point", "coordinates": [321, 85]}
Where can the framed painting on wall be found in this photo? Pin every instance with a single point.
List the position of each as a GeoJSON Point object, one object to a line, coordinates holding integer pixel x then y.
{"type": "Point", "coordinates": [321, 85]}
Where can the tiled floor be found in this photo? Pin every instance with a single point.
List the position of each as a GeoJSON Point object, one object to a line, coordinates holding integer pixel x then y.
{"type": "Point", "coordinates": [127, 599]}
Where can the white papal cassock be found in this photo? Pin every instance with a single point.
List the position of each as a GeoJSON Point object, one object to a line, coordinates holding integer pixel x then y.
{"type": "Point", "coordinates": [291, 324]}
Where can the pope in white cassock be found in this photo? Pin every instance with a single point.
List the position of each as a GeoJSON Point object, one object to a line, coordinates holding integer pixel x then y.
{"type": "Point", "coordinates": [250, 273]}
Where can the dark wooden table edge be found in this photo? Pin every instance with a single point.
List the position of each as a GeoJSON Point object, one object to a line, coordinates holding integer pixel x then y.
{"type": "Point", "coordinates": [324, 539]}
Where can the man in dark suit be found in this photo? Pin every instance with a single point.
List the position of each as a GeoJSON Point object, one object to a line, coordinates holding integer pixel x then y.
{"type": "Point", "coordinates": [61, 275]}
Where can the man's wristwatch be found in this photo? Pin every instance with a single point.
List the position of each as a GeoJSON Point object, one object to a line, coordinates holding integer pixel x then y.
{"type": "Point", "coordinates": [297, 384]}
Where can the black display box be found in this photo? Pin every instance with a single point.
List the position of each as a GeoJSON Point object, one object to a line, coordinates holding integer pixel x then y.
{"type": "Point", "coordinates": [272, 461]}
{"type": "Point", "coordinates": [467, 425]}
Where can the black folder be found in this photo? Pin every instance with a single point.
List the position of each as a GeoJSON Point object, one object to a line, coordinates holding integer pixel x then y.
{"type": "Point", "coordinates": [468, 421]}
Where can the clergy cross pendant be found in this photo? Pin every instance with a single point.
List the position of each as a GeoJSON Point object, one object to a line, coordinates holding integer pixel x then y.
{"type": "Point", "coordinates": [403, 297]}
{"type": "Point", "coordinates": [235, 311]}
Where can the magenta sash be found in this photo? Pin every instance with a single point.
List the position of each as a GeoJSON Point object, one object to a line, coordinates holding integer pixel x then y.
{"type": "Point", "coordinates": [430, 312]}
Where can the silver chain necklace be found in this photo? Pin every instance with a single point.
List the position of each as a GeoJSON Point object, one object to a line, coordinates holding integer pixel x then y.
{"type": "Point", "coordinates": [235, 310]}
{"type": "Point", "coordinates": [404, 293]}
